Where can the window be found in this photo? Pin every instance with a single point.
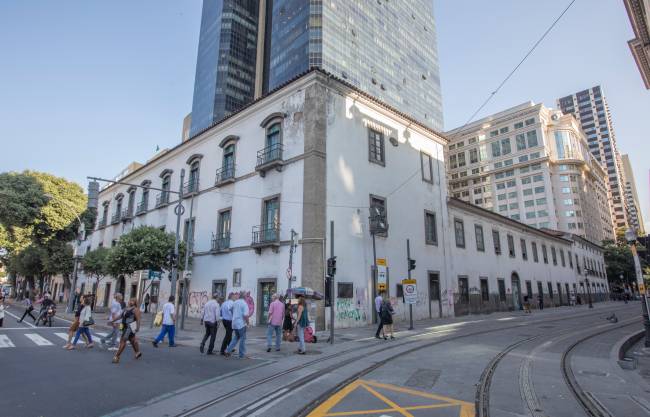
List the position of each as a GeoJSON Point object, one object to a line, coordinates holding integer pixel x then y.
{"type": "Point", "coordinates": [485, 293]}
{"type": "Point", "coordinates": [566, 190]}
{"type": "Point", "coordinates": [271, 219]}
{"type": "Point", "coordinates": [378, 216]}
{"type": "Point", "coordinates": [503, 207]}
{"type": "Point", "coordinates": [496, 149]}
{"type": "Point", "coordinates": [519, 125]}
{"type": "Point", "coordinates": [461, 159]}
{"type": "Point", "coordinates": [503, 130]}
{"type": "Point", "coordinates": [533, 246]}
{"type": "Point", "coordinates": [570, 259]}
{"type": "Point", "coordinates": [501, 197]}
{"type": "Point", "coordinates": [453, 161]}
{"type": "Point", "coordinates": [524, 170]}
{"type": "Point", "coordinates": [223, 230]}
{"type": "Point", "coordinates": [512, 194]}
{"type": "Point", "coordinates": [564, 178]}
{"type": "Point", "coordinates": [529, 203]}
{"type": "Point", "coordinates": [511, 183]}
{"type": "Point", "coordinates": [524, 250]}
{"type": "Point", "coordinates": [528, 191]}
{"type": "Point", "coordinates": [514, 206]}
{"type": "Point", "coordinates": [526, 180]}
{"type": "Point", "coordinates": [544, 254]}
{"type": "Point", "coordinates": [530, 215]}
{"type": "Point", "coordinates": [554, 255]}
{"type": "Point", "coordinates": [542, 213]}
{"type": "Point", "coordinates": [502, 289]}
{"type": "Point", "coordinates": [511, 246]}
{"type": "Point", "coordinates": [236, 277]}
{"type": "Point", "coordinates": [532, 138]}
{"type": "Point", "coordinates": [459, 229]}
{"type": "Point", "coordinates": [426, 162]}
{"type": "Point", "coordinates": [507, 163]}
{"type": "Point", "coordinates": [521, 142]}
{"type": "Point", "coordinates": [188, 233]}
{"type": "Point", "coordinates": [515, 216]}
{"type": "Point", "coordinates": [193, 183]}
{"type": "Point", "coordinates": [540, 201]}
{"type": "Point", "coordinates": [473, 156]}
{"type": "Point", "coordinates": [530, 121]}
{"type": "Point", "coordinates": [494, 133]}
{"type": "Point", "coordinates": [228, 161]}
{"type": "Point", "coordinates": [344, 290]}
{"type": "Point", "coordinates": [562, 260]}
{"type": "Point", "coordinates": [538, 178]}
{"type": "Point", "coordinates": [496, 240]}
{"type": "Point", "coordinates": [376, 147]}
{"type": "Point", "coordinates": [430, 228]}
{"type": "Point", "coordinates": [166, 184]}
{"type": "Point", "coordinates": [505, 146]}
{"type": "Point", "coordinates": [463, 290]}
{"type": "Point", "coordinates": [539, 190]}
{"type": "Point", "coordinates": [480, 242]}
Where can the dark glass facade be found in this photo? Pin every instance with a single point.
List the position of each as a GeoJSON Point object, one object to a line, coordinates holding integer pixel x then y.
{"type": "Point", "coordinates": [225, 65]}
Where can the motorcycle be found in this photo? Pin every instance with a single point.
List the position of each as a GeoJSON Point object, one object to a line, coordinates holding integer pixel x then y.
{"type": "Point", "coordinates": [47, 316]}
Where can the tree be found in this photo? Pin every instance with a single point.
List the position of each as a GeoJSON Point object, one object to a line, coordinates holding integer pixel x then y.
{"type": "Point", "coordinates": [95, 264]}
{"type": "Point", "coordinates": [145, 247]}
{"type": "Point", "coordinates": [619, 261]}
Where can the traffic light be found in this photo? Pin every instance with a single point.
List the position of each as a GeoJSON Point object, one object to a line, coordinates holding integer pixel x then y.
{"type": "Point", "coordinates": [171, 259]}
{"type": "Point", "coordinates": [411, 264]}
{"type": "Point", "coordinates": [331, 266]}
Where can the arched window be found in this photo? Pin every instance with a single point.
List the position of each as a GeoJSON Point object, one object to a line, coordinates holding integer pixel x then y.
{"type": "Point", "coordinates": [271, 155]}
{"type": "Point", "coordinates": [229, 159]}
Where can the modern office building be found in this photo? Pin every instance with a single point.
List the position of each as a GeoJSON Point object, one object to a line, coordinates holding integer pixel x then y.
{"type": "Point", "coordinates": [592, 112]}
{"type": "Point", "coordinates": [638, 11]}
{"type": "Point", "coordinates": [387, 49]}
{"type": "Point", "coordinates": [633, 206]}
{"type": "Point", "coordinates": [531, 164]}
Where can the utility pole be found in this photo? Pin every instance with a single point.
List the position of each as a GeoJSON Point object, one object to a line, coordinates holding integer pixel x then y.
{"type": "Point", "coordinates": [410, 265]}
{"type": "Point", "coordinates": [332, 270]}
{"type": "Point", "coordinates": [292, 249]}
{"type": "Point", "coordinates": [178, 210]}
{"type": "Point", "coordinates": [189, 247]}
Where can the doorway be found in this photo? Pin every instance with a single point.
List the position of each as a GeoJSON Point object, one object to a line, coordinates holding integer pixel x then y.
{"type": "Point", "coordinates": [121, 285]}
{"type": "Point", "coordinates": [107, 294]}
{"type": "Point", "coordinates": [134, 290]}
{"type": "Point", "coordinates": [266, 288]}
{"type": "Point", "coordinates": [435, 306]}
{"type": "Point", "coordinates": [516, 291]}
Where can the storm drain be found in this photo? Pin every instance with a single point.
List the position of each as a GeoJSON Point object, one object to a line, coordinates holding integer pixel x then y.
{"type": "Point", "coordinates": [423, 378]}
{"type": "Point", "coordinates": [594, 373]}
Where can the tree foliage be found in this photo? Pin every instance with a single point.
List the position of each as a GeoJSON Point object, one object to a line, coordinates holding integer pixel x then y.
{"type": "Point", "coordinates": [95, 263]}
{"type": "Point", "coordinates": [619, 261]}
{"type": "Point", "coordinates": [142, 248]}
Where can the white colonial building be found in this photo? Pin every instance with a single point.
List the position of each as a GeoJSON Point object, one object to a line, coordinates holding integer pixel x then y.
{"type": "Point", "coordinates": [312, 152]}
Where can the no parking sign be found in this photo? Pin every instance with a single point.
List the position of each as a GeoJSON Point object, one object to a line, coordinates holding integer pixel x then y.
{"type": "Point", "coordinates": [410, 289]}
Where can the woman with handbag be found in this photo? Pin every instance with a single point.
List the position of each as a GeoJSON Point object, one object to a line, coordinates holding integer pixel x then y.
{"type": "Point", "coordinates": [130, 327]}
{"type": "Point", "coordinates": [85, 321]}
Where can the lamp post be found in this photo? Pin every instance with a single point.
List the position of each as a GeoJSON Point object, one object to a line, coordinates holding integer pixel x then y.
{"type": "Point", "coordinates": [630, 236]}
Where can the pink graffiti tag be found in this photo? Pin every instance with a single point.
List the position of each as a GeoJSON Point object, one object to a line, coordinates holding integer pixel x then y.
{"type": "Point", "coordinates": [251, 304]}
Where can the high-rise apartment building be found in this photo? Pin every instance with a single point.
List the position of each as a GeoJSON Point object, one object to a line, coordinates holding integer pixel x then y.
{"type": "Point", "coordinates": [633, 206]}
{"type": "Point", "coordinates": [592, 112]}
{"type": "Point", "coordinates": [532, 164]}
{"type": "Point", "coordinates": [387, 49]}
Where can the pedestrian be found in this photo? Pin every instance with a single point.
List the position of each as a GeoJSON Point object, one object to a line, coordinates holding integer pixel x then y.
{"type": "Point", "coordinates": [147, 301]}
{"type": "Point", "coordinates": [287, 325]}
{"type": "Point", "coordinates": [240, 314]}
{"type": "Point", "coordinates": [29, 307]}
{"type": "Point", "coordinates": [386, 313]}
{"type": "Point", "coordinates": [573, 298]}
{"type": "Point", "coordinates": [527, 304]}
{"type": "Point", "coordinates": [168, 323]}
{"type": "Point", "coordinates": [72, 330]}
{"type": "Point", "coordinates": [275, 319]}
{"type": "Point", "coordinates": [540, 301]}
{"type": "Point", "coordinates": [2, 309]}
{"type": "Point", "coordinates": [210, 319]}
{"type": "Point", "coordinates": [113, 320]}
{"type": "Point", "coordinates": [302, 321]}
{"type": "Point", "coordinates": [85, 321]}
{"type": "Point", "coordinates": [130, 327]}
{"type": "Point", "coordinates": [226, 319]}
{"type": "Point", "coordinates": [378, 302]}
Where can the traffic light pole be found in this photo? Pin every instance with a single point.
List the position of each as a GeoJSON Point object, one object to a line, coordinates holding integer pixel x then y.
{"type": "Point", "coordinates": [178, 210]}
{"type": "Point", "coordinates": [408, 268]}
{"type": "Point", "coordinates": [332, 284]}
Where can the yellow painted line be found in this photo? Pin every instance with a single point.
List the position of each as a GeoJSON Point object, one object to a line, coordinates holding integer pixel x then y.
{"type": "Point", "coordinates": [388, 410]}
{"type": "Point", "coordinates": [417, 393]}
{"type": "Point", "coordinates": [321, 410]}
{"type": "Point", "coordinates": [395, 406]}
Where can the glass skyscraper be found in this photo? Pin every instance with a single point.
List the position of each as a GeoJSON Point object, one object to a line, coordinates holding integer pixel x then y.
{"type": "Point", "coordinates": [386, 48]}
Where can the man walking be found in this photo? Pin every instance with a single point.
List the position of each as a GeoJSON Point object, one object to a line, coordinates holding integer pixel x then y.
{"type": "Point", "coordinates": [275, 318]}
{"type": "Point", "coordinates": [240, 314]}
{"type": "Point", "coordinates": [168, 323]}
{"type": "Point", "coordinates": [113, 318]}
{"type": "Point", "coordinates": [540, 301]}
{"type": "Point", "coordinates": [379, 300]}
{"type": "Point", "coordinates": [211, 316]}
{"type": "Point", "coordinates": [226, 319]}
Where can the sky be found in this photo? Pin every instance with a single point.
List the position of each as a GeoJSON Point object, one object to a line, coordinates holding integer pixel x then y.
{"type": "Point", "coordinates": [86, 87]}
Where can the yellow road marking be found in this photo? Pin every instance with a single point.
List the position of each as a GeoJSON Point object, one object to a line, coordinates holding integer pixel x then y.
{"type": "Point", "coordinates": [388, 410]}
{"type": "Point", "coordinates": [395, 406]}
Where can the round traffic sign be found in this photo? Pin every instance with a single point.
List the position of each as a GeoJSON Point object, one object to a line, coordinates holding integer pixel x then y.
{"type": "Point", "coordinates": [179, 210]}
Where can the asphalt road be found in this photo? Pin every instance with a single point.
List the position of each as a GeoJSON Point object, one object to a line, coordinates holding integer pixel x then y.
{"type": "Point", "coordinates": [39, 378]}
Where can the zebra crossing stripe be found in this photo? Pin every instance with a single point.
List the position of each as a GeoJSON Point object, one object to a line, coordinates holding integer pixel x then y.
{"type": "Point", "coordinates": [38, 339]}
{"type": "Point", "coordinates": [5, 342]}
{"type": "Point", "coordinates": [63, 336]}
{"type": "Point", "coordinates": [100, 334]}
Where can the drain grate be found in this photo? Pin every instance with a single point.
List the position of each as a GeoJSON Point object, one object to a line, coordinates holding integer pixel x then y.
{"type": "Point", "coordinates": [594, 373]}
{"type": "Point", "coordinates": [423, 378]}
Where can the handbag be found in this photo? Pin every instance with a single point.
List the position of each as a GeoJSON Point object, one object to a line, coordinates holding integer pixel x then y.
{"type": "Point", "coordinates": [89, 322]}
{"type": "Point", "coordinates": [158, 320]}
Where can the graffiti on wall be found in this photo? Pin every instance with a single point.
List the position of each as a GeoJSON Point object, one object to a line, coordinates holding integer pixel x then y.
{"type": "Point", "coordinates": [197, 300]}
{"type": "Point", "coordinates": [346, 310]}
{"type": "Point", "coordinates": [251, 304]}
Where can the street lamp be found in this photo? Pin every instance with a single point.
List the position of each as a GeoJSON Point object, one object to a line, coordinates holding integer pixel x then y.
{"type": "Point", "coordinates": [630, 236]}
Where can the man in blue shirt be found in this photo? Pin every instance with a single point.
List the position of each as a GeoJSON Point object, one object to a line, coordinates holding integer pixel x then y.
{"type": "Point", "coordinates": [226, 318]}
{"type": "Point", "coordinates": [240, 314]}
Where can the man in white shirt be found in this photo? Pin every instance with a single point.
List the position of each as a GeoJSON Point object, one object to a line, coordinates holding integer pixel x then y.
{"type": "Point", "coordinates": [378, 301]}
{"type": "Point", "coordinates": [113, 321]}
{"type": "Point", "coordinates": [226, 319]}
{"type": "Point", "coordinates": [168, 323]}
{"type": "Point", "coordinates": [240, 314]}
{"type": "Point", "coordinates": [211, 317]}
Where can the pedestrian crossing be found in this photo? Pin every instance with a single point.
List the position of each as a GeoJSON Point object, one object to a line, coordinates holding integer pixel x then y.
{"type": "Point", "coordinates": [22, 340]}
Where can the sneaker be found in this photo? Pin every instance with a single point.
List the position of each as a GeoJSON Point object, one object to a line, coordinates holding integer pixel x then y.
{"type": "Point", "coordinates": [112, 349]}
{"type": "Point", "coordinates": [268, 349]}
{"type": "Point", "coordinates": [201, 348]}
{"type": "Point", "coordinates": [377, 337]}
{"type": "Point", "coordinates": [154, 343]}
{"type": "Point", "coordinates": [277, 350]}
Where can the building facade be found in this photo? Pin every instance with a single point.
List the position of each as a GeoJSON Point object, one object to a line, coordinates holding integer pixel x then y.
{"type": "Point", "coordinates": [386, 49]}
{"type": "Point", "coordinates": [318, 153]}
{"type": "Point", "coordinates": [633, 206]}
{"type": "Point", "coordinates": [531, 164]}
{"type": "Point", "coordinates": [637, 11]}
{"type": "Point", "coordinates": [592, 112]}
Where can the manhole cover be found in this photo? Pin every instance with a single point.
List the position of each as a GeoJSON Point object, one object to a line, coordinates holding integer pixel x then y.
{"type": "Point", "coordinates": [594, 373]}
{"type": "Point", "coordinates": [423, 378]}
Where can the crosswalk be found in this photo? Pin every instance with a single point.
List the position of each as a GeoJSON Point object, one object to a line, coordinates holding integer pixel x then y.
{"type": "Point", "coordinates": [13, 340]}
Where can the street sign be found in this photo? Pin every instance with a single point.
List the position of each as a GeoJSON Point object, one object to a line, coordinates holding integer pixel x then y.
{"type": "Point", "coordinates": [381, 261]}
{"type": "Point", "coordinates": [410, 289]}
{"type": "Point", "coordinates": [642, 288]}
{"type": "Point", "coordinates": [381, 275]}
{"type": "Point", "coordinates": [381, 287]}
{"type": "Point", "coordinates": [155, 274]}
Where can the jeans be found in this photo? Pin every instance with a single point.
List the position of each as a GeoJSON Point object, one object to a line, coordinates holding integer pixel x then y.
{"type": "Point", "coordinates": [86, 332]}
{"type": "Point", "coordinates": [112, 335]}
{"type": "Point", "coordinates": [301, 338]}
{"type": "Point", "coordinates": [381, 325]}
{"type": "Point", "coordinates": [227, 324]}
{"type": "Point", "coordinates": [240, 336]}
{"type": "Point", "coordinates": [168, 329]}
{"type": "Point", "coordinates": [211, 332]}
{"type": "Point", "coordinates": [269, 336]}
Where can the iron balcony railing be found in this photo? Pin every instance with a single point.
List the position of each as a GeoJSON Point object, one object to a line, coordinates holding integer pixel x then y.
{"type": "Point", "coordinates": [225, 174]}
{"type": "Point", "coordinates": [191, 187]}
{"type": "Point", "coordinates": [220, 242]}
{"type": "Point", "coordinates": [266, 234]}
{"type": "Point", "coordinates": [102, 223]}
{"type": "Point", "coordinates": [142, 207]}
{"type": "Point", "coordinates": [162, 199]}
{"type": "Point", "coordinates": [269, 154]}
{"type": "Point", "coordinates": [127, 214]}
{"type": "Point", "coordinates": [116, 217]}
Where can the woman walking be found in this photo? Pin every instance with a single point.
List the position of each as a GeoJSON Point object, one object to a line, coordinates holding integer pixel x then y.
{"type": "Point", "coordinates": [386, 316]}
{"type": "Point", "coordinates": [130, 327]}
{"type": "Point", "coordinates": [302, 321]}
{"type": "Point", "coordinates": [287, 325]}
{"type": "Point", "coordinates": [85, 321]}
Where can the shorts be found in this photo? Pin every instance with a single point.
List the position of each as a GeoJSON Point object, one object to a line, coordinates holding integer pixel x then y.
{"type": "Point", "coordinates": [74, 326]}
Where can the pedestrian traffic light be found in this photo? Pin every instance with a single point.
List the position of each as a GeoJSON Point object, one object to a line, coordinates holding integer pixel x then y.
{"type": "Point", "coordinates": [411, 264]}
{"type": "Point", "coordinates": [171, 259]}
{"type": "Point", "coordinates": [331, 266]}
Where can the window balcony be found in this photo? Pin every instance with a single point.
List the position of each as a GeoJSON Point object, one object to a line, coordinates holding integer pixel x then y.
{"type": "Point", "coordinates": [269, 158]}
{"type": "Point", "coordinates": [225, 175]}
{"type": "Point", "coordinates": [142, 208]}
{"type": "Point", "coordinates": [116, 217]}
{"type": "Point", "coordinates": [220, 242]}
{"type": "Point", "coordinates": [191, 187]}
{"type": "Point", "coordinates": [266, 235]}
{"type": "Point", "coordinates": [101, 224]}
{"type": "Point", "coordinates": [127, 214]}
{"type": "Point", "coordinates": [162, 199]}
